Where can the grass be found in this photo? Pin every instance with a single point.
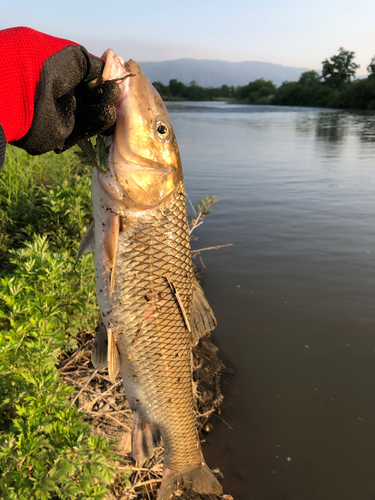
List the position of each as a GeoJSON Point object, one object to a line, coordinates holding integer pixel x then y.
{"type": "Point", "coordinates": [46, 449]}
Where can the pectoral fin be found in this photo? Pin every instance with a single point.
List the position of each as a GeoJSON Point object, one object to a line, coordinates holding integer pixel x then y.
{"type": "Point", "coordinates": [113, 357]}
{"type": "Point", "coordinates": [99, 350]}
{"type": "Point", "coordinates": [87, 242]}
{"type": "Point", "coordinates": [202, 318]}
{"type": "Point", "coordinates": [111, 246]}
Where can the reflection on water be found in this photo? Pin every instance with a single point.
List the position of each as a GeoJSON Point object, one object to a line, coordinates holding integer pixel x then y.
{"type": "Point", "coordinates": [294, 297]}
{"type": "Point", "coordinates": [331, 127]}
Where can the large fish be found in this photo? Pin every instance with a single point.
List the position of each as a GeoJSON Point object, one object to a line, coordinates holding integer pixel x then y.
{"type": "Point", "coordinates": [152, 308]}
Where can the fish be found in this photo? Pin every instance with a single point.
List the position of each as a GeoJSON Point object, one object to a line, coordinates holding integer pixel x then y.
{"type": "Point", "coordinates": [152, 308]}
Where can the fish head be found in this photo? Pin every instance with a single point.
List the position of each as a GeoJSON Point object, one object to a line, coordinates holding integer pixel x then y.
{"type": "Point", "coordinates": [144, 158]}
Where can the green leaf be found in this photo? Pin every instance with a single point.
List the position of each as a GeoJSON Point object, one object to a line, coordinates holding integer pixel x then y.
{"type": "Point", "coordinates": [101, 154]}
{"type": "Point", "coordinates": [94, 156]}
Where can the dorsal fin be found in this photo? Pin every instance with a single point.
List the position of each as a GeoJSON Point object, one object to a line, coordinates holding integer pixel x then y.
{"type": "Point", "coordinates": [202, 317]}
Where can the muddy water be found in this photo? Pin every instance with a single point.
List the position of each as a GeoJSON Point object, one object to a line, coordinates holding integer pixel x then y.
{"type": "Point", "coordinates": [294, 297]}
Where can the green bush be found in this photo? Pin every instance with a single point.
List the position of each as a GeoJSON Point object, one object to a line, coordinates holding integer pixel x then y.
{"type": "Point", "coordinates": [46, 449]}
{"type": "Point", "coordinates": [360, 94]}
{"type": "Point", "coordinates": [50, 196]}
{"type": "Point", "coordinates": [256, 92]}
{"type": "Point", "coordinates": [301, 94]}
{"type": "Point", "coordinates": [253, 97]}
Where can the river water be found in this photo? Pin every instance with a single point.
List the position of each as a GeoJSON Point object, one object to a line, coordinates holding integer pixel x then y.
{"type": "Point", "coordinates": [294, 296]}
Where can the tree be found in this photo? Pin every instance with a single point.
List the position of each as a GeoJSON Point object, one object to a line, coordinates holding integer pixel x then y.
{"type": "Point", "coordinates": [256, 89]}
{"type": "Point", "coordinates": [177, 89]}
{"type": "Point", "coordinates": [371, 67]}
{"type": "Point", "coordinates": [161, 88]}
{"type": "Point", "coordinates": [309, 78]}
{"type": "Point", "coordinates": [338, 70]}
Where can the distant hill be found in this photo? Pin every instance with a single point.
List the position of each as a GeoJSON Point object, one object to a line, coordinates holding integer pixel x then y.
{"type": "Point", "coordinates": [211, 73]}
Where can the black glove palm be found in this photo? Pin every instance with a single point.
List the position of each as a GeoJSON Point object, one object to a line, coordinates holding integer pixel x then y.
{"type": "Point", "coordinates": [68, 110]}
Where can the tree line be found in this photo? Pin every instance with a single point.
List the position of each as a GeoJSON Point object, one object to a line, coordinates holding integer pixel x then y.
{"type": "Point", "coordinates": [336, 87]}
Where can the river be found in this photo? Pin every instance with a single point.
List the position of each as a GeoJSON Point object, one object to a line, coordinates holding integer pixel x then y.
{"type": "Point", "coordinates": [294, 296]}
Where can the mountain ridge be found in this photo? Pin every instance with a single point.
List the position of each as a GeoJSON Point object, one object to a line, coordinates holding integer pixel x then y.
{"type": "Point", "coordinates": [214, 72]}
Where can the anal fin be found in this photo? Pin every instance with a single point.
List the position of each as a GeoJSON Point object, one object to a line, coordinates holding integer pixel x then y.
{"type": "Point", "coordinates": [202, 317]}
{"type": "Point", "coordinates": [144, 437]}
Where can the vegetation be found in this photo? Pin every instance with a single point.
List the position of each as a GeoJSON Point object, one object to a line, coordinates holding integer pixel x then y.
{"type": "Point", "coordinates": [257, 92]}
{"type": "Point", "coordinates": [371, 67]}
{"type": "Point", "coordinates": [308, 91]}
{"type": "Point", "coordinates": [46, 449]}
{"type": "Point", "coordinates": [339, 69]}
{"type": "Point", "coordinates": [335, 88]}
{"type": "Point", "coordinates": [178, 91]}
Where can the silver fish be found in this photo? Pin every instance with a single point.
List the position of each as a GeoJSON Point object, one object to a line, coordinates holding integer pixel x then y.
{"type": "Point", "coordinates": [152, 308]}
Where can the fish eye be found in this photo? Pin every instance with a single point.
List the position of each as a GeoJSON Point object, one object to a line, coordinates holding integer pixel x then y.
{"type": "Point", "coordinates": [162, 130]}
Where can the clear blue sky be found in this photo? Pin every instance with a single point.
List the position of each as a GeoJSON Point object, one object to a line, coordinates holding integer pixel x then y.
{"type": "Point", "coordinates": [296, 33]}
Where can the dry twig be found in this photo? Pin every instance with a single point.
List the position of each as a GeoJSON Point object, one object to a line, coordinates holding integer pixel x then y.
{"type": "Point", "coordinates": [135, 485]}
{"type": "Point", "coordinates": [177, 295]}
{"type": "Point", "coordinates": [74, 356]}
{"type": "Point", "coordinates": [83, 387]}
{"type": "Point", "coordinates": [195, 225]}
{"type": "Point", "coordinates": [101, 395]}
{"type": "Point", "coordinates": [211, 248]}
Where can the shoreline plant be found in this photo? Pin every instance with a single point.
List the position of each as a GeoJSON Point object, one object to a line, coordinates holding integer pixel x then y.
{"type": "Point", "coordinates": [47, 450]}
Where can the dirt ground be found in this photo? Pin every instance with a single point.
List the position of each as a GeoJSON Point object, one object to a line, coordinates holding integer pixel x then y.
{"type": "Point", "coordinates": [106, 408]}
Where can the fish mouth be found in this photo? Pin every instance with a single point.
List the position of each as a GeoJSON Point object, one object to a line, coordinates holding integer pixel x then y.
{"type": "Point", "coordinates": [118, 71]}
{"type": "Point", "coordinates": [115, 68]}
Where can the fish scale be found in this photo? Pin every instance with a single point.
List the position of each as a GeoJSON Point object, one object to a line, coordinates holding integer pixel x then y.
{"type": "Point", "coordinates": [160, 358]}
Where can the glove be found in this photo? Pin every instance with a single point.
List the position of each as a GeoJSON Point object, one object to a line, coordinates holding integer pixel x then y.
{"type": "Point", "coordinates": [46, 103]}
{"type": "Point", "coordinates": [3, 143]}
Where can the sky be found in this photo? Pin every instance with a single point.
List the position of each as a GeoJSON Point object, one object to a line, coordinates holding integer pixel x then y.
{"type": "Point", "coordinates": [296, 33]}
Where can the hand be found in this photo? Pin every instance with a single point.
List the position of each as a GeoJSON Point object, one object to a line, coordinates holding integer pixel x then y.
{"type": "Point", "coordinates": [52, 103]}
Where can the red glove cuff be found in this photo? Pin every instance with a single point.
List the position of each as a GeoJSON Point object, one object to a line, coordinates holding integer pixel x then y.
{"type": "Point", "coordinates": [23, 52]}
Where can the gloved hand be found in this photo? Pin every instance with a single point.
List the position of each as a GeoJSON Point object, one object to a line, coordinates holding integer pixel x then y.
{"type": "Point", "coordinates": [45, 101]}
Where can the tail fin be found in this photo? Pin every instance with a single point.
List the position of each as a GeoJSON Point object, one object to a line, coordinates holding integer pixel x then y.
{"type": "Point", "coordinates": [200, 479]}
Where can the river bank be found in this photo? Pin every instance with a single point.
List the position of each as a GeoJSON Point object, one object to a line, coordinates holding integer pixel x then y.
{"type": "Point", "coordinates": [308, 91]}
{"type": "Point", "coordinates": [104, 406]}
